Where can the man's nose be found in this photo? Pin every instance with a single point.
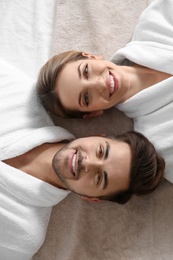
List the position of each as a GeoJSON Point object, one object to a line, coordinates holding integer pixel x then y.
{"type": "Point", "coordinates": [91, 164]}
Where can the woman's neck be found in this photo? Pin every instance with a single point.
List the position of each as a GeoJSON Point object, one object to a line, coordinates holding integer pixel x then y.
{"type": "Point", "coordinates": [142, 78]}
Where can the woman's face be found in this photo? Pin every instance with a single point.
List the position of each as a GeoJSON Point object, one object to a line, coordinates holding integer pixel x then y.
{"type": "Point", "coordinates": [91, 84]}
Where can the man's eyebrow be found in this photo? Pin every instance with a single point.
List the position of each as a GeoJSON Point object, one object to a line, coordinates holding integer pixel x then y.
{"type": "Point", "coordinates": [107, 150]}
{"type": "Point", "coordinates": [80, 99]}
{"type": "Point", "coordinates": [105, 175]}
{"type": "Point", "coordinates": [105, 180]}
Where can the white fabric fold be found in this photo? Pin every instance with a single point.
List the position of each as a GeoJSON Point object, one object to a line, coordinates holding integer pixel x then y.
{"type": "Point", "coordinates": [26, 202]}
{"type": "Point", "coordinates": [152, 108]}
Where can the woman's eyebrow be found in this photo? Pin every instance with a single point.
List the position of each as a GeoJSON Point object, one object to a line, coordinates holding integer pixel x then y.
{"type": "Point", "coordinates": [79, 71]}
{"type": "Point", "coordinates": [80, 76]}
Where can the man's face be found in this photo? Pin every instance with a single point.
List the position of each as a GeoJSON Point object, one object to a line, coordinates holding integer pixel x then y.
{"type": "Point", "coordinates": [94, 166]}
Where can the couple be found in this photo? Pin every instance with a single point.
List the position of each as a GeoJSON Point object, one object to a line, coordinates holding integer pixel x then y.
{"type": "Point", "coordinates": [39, 166]}
{"type": "Point", "coordinates": [42, 146]}
{"type": "Point", "coordinates": [138, 81]}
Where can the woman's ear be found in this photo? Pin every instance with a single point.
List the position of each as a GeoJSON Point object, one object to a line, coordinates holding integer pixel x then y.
{"type": "Point", "coordinates": [91, 199]}
{"type": "Point", "coordinates": [91, 56]}
{"type": "Point", "coordinates": [94, 113]}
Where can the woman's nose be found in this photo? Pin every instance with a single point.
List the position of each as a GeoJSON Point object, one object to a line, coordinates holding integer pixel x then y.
{"type": "Point", "coordinates": [97, 83]}
{"type": "Point", "coordinates": [100, 84]}
{"type": "Point", "coordinates": [100, 88]}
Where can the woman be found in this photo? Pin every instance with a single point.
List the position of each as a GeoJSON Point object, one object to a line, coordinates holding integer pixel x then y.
{"type": "Point", "coordinates": [138, 81]}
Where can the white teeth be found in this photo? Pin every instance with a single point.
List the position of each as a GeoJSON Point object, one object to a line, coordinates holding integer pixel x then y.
{"type": "Point", "coordinates": [112, 83]}
{"type": "Point", "coordinates": [74, 164]}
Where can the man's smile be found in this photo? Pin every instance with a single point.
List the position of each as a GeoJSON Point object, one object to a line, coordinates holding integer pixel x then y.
{"type": "Point", "coordinates": [75, 163]}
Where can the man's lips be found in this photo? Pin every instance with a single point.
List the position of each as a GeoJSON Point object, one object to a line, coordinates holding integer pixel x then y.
{"type": "Point", "coordinates": [73, 164]}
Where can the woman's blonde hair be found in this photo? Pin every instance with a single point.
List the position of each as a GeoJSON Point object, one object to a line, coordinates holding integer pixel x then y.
{"type": "Point", "coordinates": [47, 80]}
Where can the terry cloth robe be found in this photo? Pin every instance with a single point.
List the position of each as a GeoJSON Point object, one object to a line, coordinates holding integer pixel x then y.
{"type": "Point", "coordinates": [152, 108]}
{"type": "Point", "coordinates": [25, 201]}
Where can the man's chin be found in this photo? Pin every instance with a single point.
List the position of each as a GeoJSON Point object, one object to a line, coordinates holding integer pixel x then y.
{"type": "Point", "coordinates": [64, 181]}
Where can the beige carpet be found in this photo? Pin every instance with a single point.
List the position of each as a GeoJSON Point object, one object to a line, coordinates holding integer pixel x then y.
{"type": "Point", "coordinates": [79, 230]}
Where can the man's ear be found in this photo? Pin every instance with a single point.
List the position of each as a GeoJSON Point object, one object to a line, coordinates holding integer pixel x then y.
{"type": "Point", "coordinates": [102, 135]}
{"type": "Point", "coordinates": [91, 56]}
{"type": "Point", "coordinates": [91, 199]}
{"type": "Point", "coordinates": [94, 113]}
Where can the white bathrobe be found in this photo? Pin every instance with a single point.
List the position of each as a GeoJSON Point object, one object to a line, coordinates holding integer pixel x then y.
{"type": "Point", "coordinates": [26, 202]}
{"type": "Point", "coordinates": [152, 108]}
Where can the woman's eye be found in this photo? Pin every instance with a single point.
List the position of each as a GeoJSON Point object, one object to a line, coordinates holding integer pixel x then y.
{"type": "Point", "coordinates": [86, 71]}
{"type": "Point", "coordinates": [86, 99]}
{"type": "Point", "coordinates": [100, 151]}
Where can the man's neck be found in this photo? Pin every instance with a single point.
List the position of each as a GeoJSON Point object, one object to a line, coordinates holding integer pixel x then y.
{"type": "Point", "coordinates": [38, 163]}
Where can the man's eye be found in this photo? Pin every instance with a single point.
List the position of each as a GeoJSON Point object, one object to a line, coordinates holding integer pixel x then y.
{"type": "Point", "coordinates": [86, 99]}
{"type": "Point", "coordinates": [99, 178]}
{"type": "Point", "coordinates": [86, 71]}
{"type": "Point", "coordinates": [100, 151]}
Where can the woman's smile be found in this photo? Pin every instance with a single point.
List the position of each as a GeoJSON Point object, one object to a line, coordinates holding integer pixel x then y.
{"type": "Point", "coordinates": [91, 84]}
{"type": "Point", "coordinates": [113, 83]}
